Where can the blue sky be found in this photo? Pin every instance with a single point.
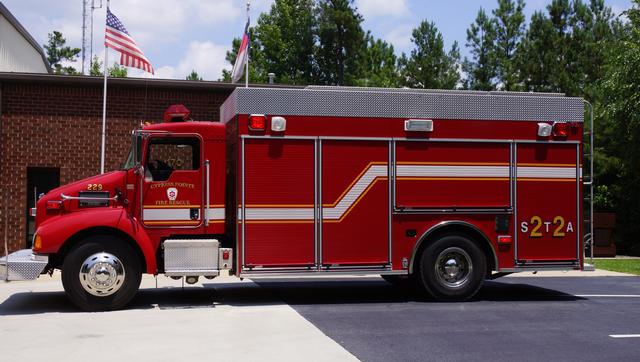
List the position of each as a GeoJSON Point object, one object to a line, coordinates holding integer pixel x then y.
{"type": "Point", "coordinates": [180, 35]}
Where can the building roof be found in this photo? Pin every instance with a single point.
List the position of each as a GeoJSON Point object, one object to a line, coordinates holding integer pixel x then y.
{"type": "Point", "coordinates": [84, 80]}
{"type": "Point", "coordinates": [16, 24]}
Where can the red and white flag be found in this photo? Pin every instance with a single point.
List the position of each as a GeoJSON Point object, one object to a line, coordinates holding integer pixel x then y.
{"type": "Point", "coordinates": [117, 37]}
{"type": "Point", "coordinates": [242, 56]}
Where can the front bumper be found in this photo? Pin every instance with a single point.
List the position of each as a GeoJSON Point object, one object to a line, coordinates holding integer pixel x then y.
{"type": "Point", "coordinates": [22, 265]}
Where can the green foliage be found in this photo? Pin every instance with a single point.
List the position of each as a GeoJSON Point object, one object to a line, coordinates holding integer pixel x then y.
{"type": "Point", "coordinates": [193, 76]}
{"type": "Point", "coordinates": [509, 23]}
{"type": "Point", "coordinates": [342, 42]}
{"type": "Point", "coordinates": [481, 69]}
{"type": "Point", "coordinates": [429, 65]}
{"type": "Point", "coordinates": [58, 51]}
{"type": "Point", "coordinates": [621, 129]}
{"type": "Point", "coordinates": [95, 68]}
{"type": "Point", "coordinates": [116, 71]}
{"type": "Point", "coordinates": [286, 37]}
{"type": "Point", "coordinates": [380, 65]}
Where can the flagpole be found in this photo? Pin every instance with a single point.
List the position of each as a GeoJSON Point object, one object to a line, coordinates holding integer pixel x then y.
{"type": "Point", "coordinates": [246, 70]}
{"type": "Point", "coordinates": [104, 105]}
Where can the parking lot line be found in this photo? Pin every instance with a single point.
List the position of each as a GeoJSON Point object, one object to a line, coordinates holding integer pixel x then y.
{"type": "Point", "coordinates": [624, 335]}
{"type": "Point", "coordinates": [608, 295]}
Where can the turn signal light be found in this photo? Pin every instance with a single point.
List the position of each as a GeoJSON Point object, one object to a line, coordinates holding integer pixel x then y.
{"type": "Point", "coordinates": [504, 239]}
{"type": "Point", "coordinates": [561, 129]}
{"type": "Point", "coordinates": [54, 205]}
{"type": "Point", "coordinates": [257, 122]}
{"type": "Point", "coordinates": [37, 242]}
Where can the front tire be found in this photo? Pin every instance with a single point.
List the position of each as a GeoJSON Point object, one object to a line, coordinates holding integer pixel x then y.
{"type": "Point", "coordinates": [452, 268]}
{"type": "Point", "coordinates": [102, 273]}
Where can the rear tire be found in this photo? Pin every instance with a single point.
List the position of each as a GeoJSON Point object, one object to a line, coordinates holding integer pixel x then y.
{"type": "Point", "coordinates": [102, 273]}
{"type": "Point", "coordinates": [452, 268]}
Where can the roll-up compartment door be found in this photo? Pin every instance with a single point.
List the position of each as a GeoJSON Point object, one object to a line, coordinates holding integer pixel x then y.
{"type": "Point", "coordinates": [452, 175]}
{"type": "Point", "coordinates": [279, 202]}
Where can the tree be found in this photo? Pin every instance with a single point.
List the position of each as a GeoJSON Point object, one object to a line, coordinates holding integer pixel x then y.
{"type": "Point", "coordinates": [286, 38]}
{"type": "Point", "coordinates": [619, 134]}
{"type": "Point", "coordinates": [58, 52]}
{"type": "Point", "coordinates": [342, 43]}
{"type": "Point", "coordinates": [380, 64]}
{"type": "Point", "coordinates": [116, 71]}
{"type": "Point", "coordinates": [193, 76]}
{"type": "Point", "coordinates": [509, 23]}
{"type": "Point", "coordinates": [481, 70]}
{"type": "Point", "coordinates": [429, 65]}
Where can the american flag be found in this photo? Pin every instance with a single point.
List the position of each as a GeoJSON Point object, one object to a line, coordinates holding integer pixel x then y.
{"type": "Point", "coordinates": [242, 56]}
{"type": "Point", "coordinates": [117, 37]}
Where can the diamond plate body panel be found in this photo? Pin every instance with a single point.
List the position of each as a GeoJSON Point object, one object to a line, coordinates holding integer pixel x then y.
{"type": "Point", "coordinates": [23, 265]}
{"type": "Point", "coordinates": [191, 257]}
{"type": "Point", "coordinates": [403, 103]}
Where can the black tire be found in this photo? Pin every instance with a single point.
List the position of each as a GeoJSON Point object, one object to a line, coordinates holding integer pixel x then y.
{"type": "Point", "coordinates": [465, 272]}
{"type": "Point", "coordinates": [73, 263]}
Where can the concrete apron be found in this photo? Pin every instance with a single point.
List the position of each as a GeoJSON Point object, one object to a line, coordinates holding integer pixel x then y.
{"type": "Point", "coordinates": [36, 322]}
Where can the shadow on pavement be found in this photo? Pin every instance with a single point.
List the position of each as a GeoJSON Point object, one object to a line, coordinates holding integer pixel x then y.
{"type": "Point", "coordinates": [378, 291]}
{"type": "Point", "coordinates": [277, 292]}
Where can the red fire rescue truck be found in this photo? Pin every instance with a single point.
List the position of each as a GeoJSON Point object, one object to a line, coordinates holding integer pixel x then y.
{"type": "Point", "coordinates": [445, 187]}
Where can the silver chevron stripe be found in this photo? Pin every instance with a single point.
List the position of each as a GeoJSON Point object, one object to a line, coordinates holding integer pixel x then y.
{"type": "Point", "coordinates": [182, 214]}
{"type": "Point", "coordinates": [376, 171]}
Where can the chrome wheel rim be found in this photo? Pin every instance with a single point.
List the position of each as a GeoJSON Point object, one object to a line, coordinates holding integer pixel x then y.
{"type": "Point", "coordinates": [453, 267]}
{"type": "Point", "coordinates": [101, 274]}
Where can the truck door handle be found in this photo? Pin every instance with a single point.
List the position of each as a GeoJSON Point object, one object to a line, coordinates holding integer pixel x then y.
{"type": "Point", "coordinates": [194, 214]}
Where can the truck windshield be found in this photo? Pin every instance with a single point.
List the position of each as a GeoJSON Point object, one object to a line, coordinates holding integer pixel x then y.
{"type": "Point", "coordinates": [135, 153]}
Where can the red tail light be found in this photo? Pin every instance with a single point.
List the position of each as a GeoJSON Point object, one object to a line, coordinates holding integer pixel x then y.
{"type": "Point", "coordinates": [225, 254]}
{"type": "Point", "coordinates": [504, 239]}
{"type": "Point", "coordinates": [257, 122]}
{"type": "Point", "coordinates": [54, 205]}
{"type": "Point", "coordinates": [561, 129]}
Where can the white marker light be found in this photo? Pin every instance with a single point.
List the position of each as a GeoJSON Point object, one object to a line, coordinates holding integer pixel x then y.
{"type": "Point", "coordinates": [544, 129]}
{"type": "Point", "coordinates": [418, 125]}
{"type": "Point", "coordinates": [278, 124]}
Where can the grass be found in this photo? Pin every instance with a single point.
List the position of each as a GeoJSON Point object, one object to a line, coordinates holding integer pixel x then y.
{"type": "Point", "coordinates": [631, 266]}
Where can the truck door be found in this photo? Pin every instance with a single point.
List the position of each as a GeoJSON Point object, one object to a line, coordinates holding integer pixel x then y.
{"type": "Point", "coordinates": [172, 183]}
{"type": "Point", "coordinates": [548, 188]}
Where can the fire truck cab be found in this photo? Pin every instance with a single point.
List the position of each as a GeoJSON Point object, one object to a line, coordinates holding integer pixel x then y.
{"type": "Point", "coordinates": [443, 187]}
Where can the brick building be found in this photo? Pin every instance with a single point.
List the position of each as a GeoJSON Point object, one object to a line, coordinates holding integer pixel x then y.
{"type": "Point", "coordinates": [50, 129]}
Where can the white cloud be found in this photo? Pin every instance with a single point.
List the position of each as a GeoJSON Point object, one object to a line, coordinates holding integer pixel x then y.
{"type": "Point", "coordinates": [400, 38]}
{"type": "Point", "coordinates": [206, 58]}
{"type": "Point", "coordinates": [382, 8]}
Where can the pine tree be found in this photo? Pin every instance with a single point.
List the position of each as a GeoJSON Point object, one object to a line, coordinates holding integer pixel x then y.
{"type": "Point", "coordinates": [380, 64]}
{"type": "Point", "coordinates": [481, 70]}
{"type": "Point", "coordinates": [342, 44]}
{"type": "Point", "coordinates": [193, 76]}
{"type": "Point", "coordinates": [58, 51]}
{"type": "Point", "coordinates": [429, 65]}
{"type": "Point", "coordinates": [509, 23]}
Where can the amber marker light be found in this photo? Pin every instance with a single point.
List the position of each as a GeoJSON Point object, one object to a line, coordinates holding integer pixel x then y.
{"type": "Point", "coordinates": [37, 242]}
